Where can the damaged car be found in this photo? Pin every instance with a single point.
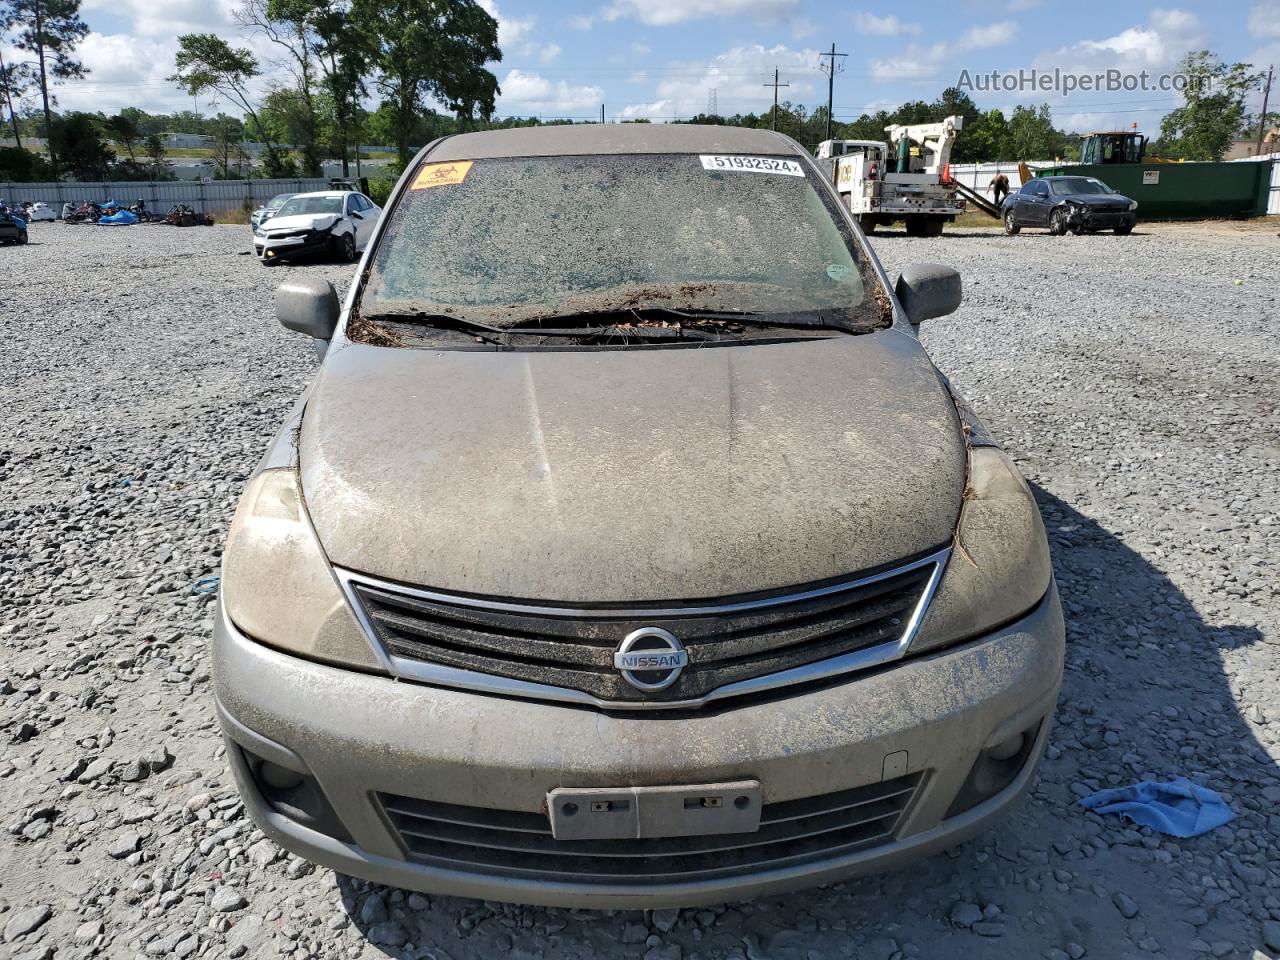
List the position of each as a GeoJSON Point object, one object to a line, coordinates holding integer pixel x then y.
{"type": "Point", "coordinates": [628, 550]}
{"type": "Point", "coordinates": [1069, 205]}
{"type": "Point", "coordinates": [336, 224]}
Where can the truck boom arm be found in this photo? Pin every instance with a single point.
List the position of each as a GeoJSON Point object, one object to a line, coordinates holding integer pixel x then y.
{"type": "Point", "coordinates": [935, 140]}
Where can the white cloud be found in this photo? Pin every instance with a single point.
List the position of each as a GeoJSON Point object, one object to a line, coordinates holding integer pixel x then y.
{"type": "Point", "coordinates": [738, 76]}
{"type": "Point", "coordinates": [581, 22]}
{"type": "Point", "coordinates": [515, 35]}
{"type": "Point", "coordinates": [641, 49]}
{"type": "Point", "coordinates": [889, 26]}
{"type": "Point", "coordinates": [124, 71]}
{"type": "Point", "coordinates": [919, 62]}
{"type": "Point", "coordinates": [521, 89]}
{"type": "Point", "coordinates": [1264, 19]}
{"type": "Point", "coordinates": [802, 27]}
{"type": "Point", "coordinates": [1159, 44]}
{"type": "Point", "coordinates": [659, 109]}
{"type": "Point", "coordinates": [992, 35]}
{"type": "Point", "coordinates": [169, 18]}
{"type": "Point", "coordinates": [663, 13]}
{"type": "Point", "coordinates": [548, 52]}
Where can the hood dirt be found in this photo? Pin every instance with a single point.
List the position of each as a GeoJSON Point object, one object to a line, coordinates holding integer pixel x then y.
{"type": "Point", "coordinates": [631, 475]}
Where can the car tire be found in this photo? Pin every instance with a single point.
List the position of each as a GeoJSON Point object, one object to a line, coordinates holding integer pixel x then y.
{"type": "Point", "coordinates": [344, 248]}
{"type": "Point", "coordinates": [22, 238]}
{"type": "Point", "coordinates": [1124, 230]}
{"type": "Point", "coordinates": [932, 226]}
{"type": "Point", "coordinates": [867, 223]}
{"type": "Point", "coordinates": [1011, 225]}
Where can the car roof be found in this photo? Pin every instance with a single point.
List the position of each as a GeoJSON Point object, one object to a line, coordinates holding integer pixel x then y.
{"type": "Point", "coordinates": [335, 194]}
{"type": "Point", "coordinates": [612, 138]}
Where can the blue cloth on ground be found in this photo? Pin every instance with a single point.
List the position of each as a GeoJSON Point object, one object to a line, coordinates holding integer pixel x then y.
{"type": "Point", "coordinates": [1179, 808]}
{"type": "Point", "coordinates": [124, 217]}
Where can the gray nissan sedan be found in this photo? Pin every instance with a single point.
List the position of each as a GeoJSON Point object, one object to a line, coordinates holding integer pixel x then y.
{"type": "Point", "coordinates": [627, 549]}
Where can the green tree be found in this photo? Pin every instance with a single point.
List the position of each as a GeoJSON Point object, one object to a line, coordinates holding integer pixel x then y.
{"type": "Point", "coordinates": [1031, 135]}
{"type": "Point", "coordinates": [124, 131]}
{"type": "Point", "coordinates": [984, 138]}
{"type": "Point", "coordinates": [22, 166]}
{"type": "Point", "coordinates": [1213, 107]}
{"type": "Point", "coordinates": [155, 155]}
{"type": "Point", "coordinates": [15, 80]}
{"type": "Point", "coordinates": [434, 49]}
{"type": "Point", "coordinates": [208, 64]}
{"type": "Point", "coordinates": [286, 26]}
{"type": "Point", "coordinates": [77, 138]}
{"type": "Point", "coordinates": [51, 30]}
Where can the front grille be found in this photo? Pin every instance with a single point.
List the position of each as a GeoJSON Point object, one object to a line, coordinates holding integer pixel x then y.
{"type": "Point", "coordinates": [515, 844]}
{"type": "Point", "coordinates": [573, 650]}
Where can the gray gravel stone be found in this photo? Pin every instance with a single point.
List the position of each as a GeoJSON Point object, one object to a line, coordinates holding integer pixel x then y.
{"type": "Point", "coordinates": [22, 922]}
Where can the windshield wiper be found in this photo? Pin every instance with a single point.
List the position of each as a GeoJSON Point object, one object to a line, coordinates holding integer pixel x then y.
{"type": "Point", "coordinates": [805, 319]}
{"type": "Point", "coordinates": [502, 335]}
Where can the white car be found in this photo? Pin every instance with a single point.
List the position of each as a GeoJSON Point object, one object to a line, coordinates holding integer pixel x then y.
{"type": "Point", "coordinates": [339, 223]}
{"type": "Point", "coordinates": [269, 209]}
{"type": "Point", "coordinates": [39, 211]}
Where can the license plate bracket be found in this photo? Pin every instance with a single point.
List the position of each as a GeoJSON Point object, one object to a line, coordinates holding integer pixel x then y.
{"type": "Point", "coordinates": [631, 813]}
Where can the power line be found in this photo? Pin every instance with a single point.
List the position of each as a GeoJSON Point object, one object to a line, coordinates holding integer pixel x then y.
{"type": "Point", "coordinates": [831, 68]}
{"type": "Point", "coordinates": [776, 85]}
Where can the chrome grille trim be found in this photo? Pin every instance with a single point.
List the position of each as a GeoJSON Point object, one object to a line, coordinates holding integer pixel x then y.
{"type": "Point", "coordinates": [403, 668]}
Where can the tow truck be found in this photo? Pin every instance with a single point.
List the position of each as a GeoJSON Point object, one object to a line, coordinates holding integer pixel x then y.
{"type": "Point", "coordinates": [902, 178]}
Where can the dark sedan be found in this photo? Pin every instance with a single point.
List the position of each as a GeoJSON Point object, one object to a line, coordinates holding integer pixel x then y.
{"type": "Point", "coordinates": [1075, 204]}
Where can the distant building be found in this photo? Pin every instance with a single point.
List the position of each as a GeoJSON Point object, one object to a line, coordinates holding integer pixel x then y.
{"type": "Point", "coordinates": [186, 140]}
{"type": "Point", "coordinates": [1242, 149]}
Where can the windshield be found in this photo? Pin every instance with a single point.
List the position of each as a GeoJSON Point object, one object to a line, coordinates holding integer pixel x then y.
{"type": "Point", "coordinates": [311, 205]}
{"type": "Point", "coordinates": [1074, 186]}
{"type": "Point", "coordinates": [508, 241]}
{"type": "Point", "coordinates": [278, 201]}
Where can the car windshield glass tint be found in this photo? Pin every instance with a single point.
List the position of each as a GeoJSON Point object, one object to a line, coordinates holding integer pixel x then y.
{"type": "Point", "coordinates": [1074, 186]}
{"type": "Point", "coordinates": [300, 205]}
{"type": "Point", "coordinates": [278, 202]}
{"type": "Point", "coordinates": [507, 240]}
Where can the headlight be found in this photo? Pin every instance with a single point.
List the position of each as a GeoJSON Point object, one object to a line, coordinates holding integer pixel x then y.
{"type": "Point", "coordinates": [277, 586]}
{"type": "Point", "coordinates": [999, 567]}
{"type": "Point", "coordinates": [1133, 204]}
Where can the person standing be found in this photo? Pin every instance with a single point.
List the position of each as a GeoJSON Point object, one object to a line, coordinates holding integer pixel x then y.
{"type": "Point", "coordinates": [999, 187]}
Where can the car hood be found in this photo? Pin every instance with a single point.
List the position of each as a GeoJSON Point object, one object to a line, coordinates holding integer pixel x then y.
{"type": "Point", "coordinates": [302, 221]}
{"type": "Point", "coordinates": [648, 474]}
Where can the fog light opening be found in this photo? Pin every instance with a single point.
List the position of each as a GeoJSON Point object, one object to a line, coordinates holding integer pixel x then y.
{"type": "Point", "coordinates": [994, 770]}
{"type": "Point", "coordinates": [294, 795]}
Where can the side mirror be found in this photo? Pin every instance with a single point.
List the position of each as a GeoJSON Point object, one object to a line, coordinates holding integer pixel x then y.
{"type": "Point", "coordinates": [928, 290]}
{"type": "Point", "coordinates": [308, 306]}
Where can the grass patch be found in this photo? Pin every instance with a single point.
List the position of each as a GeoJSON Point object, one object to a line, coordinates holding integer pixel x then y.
{"type": "Point", "coordinates": [232, 216]}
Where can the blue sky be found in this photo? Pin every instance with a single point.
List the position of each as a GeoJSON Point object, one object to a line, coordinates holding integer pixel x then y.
{"type": "Point", "coordinates": [662, 58]}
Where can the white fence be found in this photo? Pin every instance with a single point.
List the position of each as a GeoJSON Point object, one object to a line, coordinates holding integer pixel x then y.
{"type": "Point", "coordinates": [976, 176]}
{"type": "Point", "coordinates": [218, 196]}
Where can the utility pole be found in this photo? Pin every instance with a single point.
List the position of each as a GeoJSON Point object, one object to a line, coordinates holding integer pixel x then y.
{"type": "Point", "coordinates": [602, 113]}
{"type": "Point", "coordinates": [1262, 120]}
{"type": "Point", "coordinates": [775, 86]}
{"type": "Point", "coordinates": [832, 67]}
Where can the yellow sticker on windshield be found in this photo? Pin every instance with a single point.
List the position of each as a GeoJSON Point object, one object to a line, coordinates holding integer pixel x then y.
{"type": "Point", "coordinates": [441, 174]}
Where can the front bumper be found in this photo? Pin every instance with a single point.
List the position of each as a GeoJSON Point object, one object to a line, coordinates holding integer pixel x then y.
{"type": "Point", "coordinates": [362, 736]}
{"type": "Point", "coordinates": [289, 247]}
{"type": "Point", "coordinates": [1090, 220]}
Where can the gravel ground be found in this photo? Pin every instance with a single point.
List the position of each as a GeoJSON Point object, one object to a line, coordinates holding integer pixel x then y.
{"type": "Point", "coordinates": [1133, 379]}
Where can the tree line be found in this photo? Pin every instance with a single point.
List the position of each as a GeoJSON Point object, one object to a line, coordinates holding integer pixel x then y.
{"type": "Point", "coordinates": [412, 57]}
